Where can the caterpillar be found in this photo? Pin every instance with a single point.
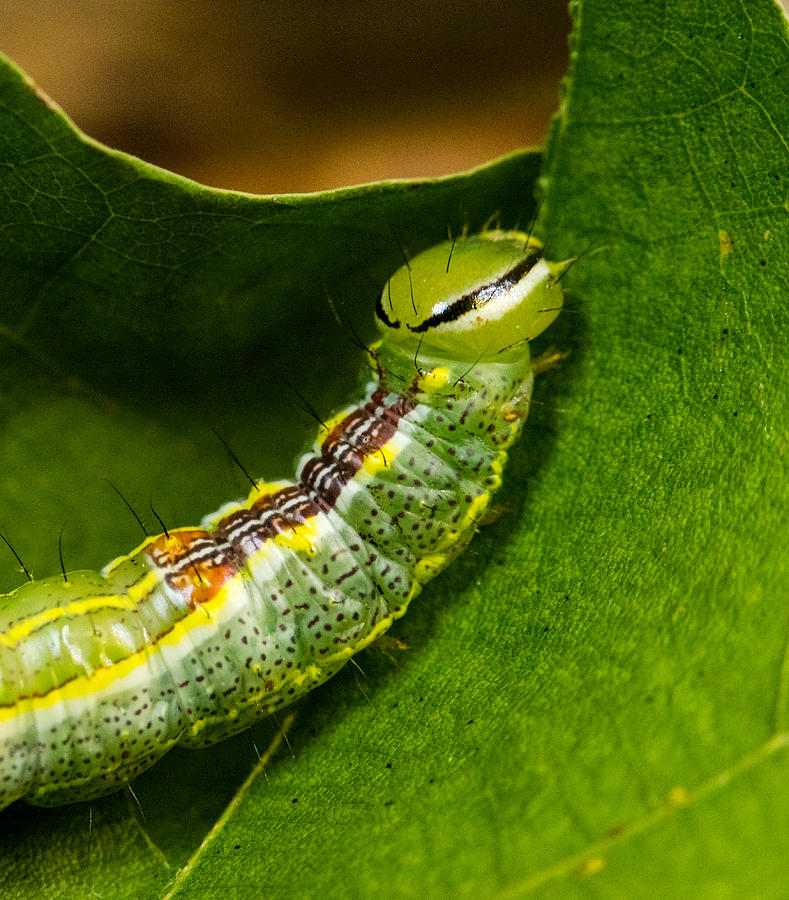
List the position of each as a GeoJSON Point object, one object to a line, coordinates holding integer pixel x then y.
{"type": "Point", "coordinates": [200, 631]}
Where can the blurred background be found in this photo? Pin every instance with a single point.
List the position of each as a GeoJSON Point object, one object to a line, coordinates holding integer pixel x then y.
{"type": "Point", "coordinates": [290, 95]}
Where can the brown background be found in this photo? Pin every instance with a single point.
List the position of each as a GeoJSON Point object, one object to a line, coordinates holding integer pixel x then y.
{"type": "Point", "coordinates": [289, 95]}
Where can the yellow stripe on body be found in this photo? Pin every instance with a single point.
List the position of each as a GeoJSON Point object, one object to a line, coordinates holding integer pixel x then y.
{"type": "Point", "coordinates": [329, 425]}
{"type": "Point", "coordinates": [77, 607]}
{"type": "Point", "coordinates": [381, 459]}
{"type": "Point", "coordinates": [301, 537]}
{"type": "Point", "coordinates": [100, 679]}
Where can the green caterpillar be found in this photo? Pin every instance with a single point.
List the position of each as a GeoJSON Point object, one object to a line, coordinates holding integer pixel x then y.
{"type": "Point", "coordinates": [201, 631]}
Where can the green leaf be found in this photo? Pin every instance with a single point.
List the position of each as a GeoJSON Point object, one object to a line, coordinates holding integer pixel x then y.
{"type": "Point", "coordinates": [594, 698]}
{"type": "Point", "coordinates": [666, 741]}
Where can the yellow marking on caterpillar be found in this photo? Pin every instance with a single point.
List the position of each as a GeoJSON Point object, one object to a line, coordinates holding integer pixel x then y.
{"type": "Point", "coordinates": [330, 424]}
{"type": "Point", "coordinates": [381, 459]}
{"type": "Point", "coordinates": [309, 674]}
{"type": "Point", "coordinates": [434, 380]}
{"type": "Point", "coordinates": [266, 489]}
{"type": "Point", "coordinates": [513, 418]}
{"type": "Point", "coordinates": [301, 538]}
{"type": "Point", "coordinates": [77, 607]}
{"type": "Point", "coordinates": [497, 464]}
{"type": "Point", "coordinates": [476, 509]}
{"type": "Point", "coordinates": [427, 567]}
{"type": "Point", "coordinates": [431, 565]}
{"type": "Point", "coordinates": [145, 585]}
{"type": "Point", "coordinates": [100, 679]}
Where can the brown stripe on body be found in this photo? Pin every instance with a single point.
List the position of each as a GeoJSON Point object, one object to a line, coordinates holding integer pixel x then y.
{"type": "Point", "coordinates": [195, 562]}
{"type": "Point", "coordinates": [198, 563]}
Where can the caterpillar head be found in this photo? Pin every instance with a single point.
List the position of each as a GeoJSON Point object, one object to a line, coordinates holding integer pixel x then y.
{"type": "Point", "coordinates": [480, 297]}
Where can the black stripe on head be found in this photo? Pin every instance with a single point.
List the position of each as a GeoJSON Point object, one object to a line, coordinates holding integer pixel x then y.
{"type": "Point", "coordinates": [381, 314]}
{"type": "Point", "coordinates": [479, 296]}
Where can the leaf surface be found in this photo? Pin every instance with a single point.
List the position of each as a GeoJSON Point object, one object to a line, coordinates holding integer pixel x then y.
{"type": "Point", "coordinates": [593, 699]}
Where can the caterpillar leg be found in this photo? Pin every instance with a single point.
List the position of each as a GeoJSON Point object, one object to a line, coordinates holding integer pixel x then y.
{"type": "Point", "coordinates": [551, 359]}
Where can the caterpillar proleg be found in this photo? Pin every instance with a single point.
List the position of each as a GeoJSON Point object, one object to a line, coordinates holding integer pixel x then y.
{"type": "Point", "coordinates": [201, 631]}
